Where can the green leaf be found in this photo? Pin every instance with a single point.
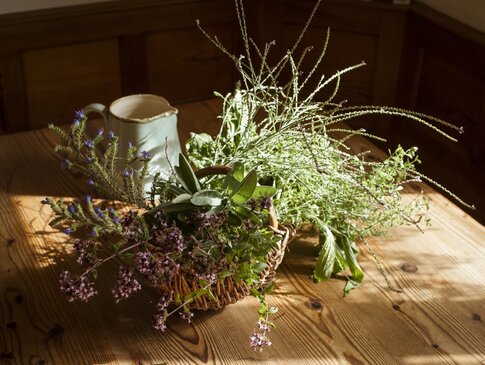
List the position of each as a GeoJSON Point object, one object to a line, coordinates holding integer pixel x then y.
{"type": "Point", "coordinates": [182, 198]}
{"type": "Point", "coordinates": [186, 175]}
{"type": "Point", "coordinates": [263, 192]}
{"type": "Point", "coordinates": [225, 274]}
{"type": "Point", "coordinates": [244, 213]}
{"type": "Point", "coordinates": [273, 310]}
{"type": "Point", "coordinates": [176, 190]}
{"type": "Point", "coordinates": [238, 171]}
{"type": "Point", "coordinates": [177, 207]}
{"type": "Point", "coordinates": [351, 285]}
{"type": "Point", "coordinates": [207, 197]}
{"type": "Point", "coordinates": [259, 266]}
{"type": "Point", "coordinates": [246, 188]}
{"type": "Point", "coordinates": [349, 247]}
{"type": "Point", "coordinates": [231, 184]}
{"type": "Point", "coordinates": [326, 258]}
{"type": "Point", "coordinates": [234, 219]}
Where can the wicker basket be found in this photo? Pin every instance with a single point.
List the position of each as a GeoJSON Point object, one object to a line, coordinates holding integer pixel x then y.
{"type": "Point", "coordinates": [229, 290]}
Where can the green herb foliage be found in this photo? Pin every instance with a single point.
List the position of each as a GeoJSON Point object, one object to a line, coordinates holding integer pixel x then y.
{"type": "Point", "coordinates": [278, 128]}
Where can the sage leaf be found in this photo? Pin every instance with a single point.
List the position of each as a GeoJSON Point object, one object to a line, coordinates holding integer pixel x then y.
{"type": "Point", "coordinates": [263, 192]}
{"type": "Point", "coordinates": [182, 198]}
{"type": "Point", "coordinates": [177, 207]}
{"type": "Point", "coordinates": [246, 189]}
{"type": "Point", "coordinates": [244, 213]}
{"type": "Point", "coordinates": [238, 171]}
{"type": "Point", "coordinates": [207, 197]}
{"type": "Point", "coordinates": [326, 259]}
{"type": "Point", "coordinates": [231, 184]}
{"type": "Point", "coordinates": [186, 175]}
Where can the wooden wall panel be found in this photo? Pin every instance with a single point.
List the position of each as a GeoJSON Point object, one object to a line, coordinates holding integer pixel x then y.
{"type": "Point", "coordinates": [63, 79]}
{"type": "Point", "coordinates": [442, 74]}
{"type": "Point", "coordinates": [452, 93]}
{"type": "Point", "coordinates": [369, 32]}
{"type": "Point", "coordinates": [357, 84]}
{"type": "Point", "coordinates": [43, 50]}
{"type": "Point", "coordinates": [183, 65]}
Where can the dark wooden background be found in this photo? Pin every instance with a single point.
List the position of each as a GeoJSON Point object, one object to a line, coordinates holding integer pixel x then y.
{"type": "Point", "coordinates": [55, 61]}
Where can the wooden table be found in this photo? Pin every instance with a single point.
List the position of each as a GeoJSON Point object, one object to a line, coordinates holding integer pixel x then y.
{"type": "Point", "coordinates": [437, 319]}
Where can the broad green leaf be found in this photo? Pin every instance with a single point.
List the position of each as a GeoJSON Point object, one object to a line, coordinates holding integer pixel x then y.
{"type": "Point", "coordinates": [231, 184]}
{"type": "Point", "coordinates": [177, 207]}
{"type": "Point", "coordinates": [245, 213]}
{"type": "Point", "coordinates": [339, 264]}
{"type": "Point", "coordinates": [246, 188]}
{"type": "Point", "coordinates": [238, 171]}
{"type": "Point", "coordinates": [263, 192]}
{"type": "Point", "coordinates": [176, 190]}
{"type": "Point", "coordinates": [186, 175]}
{"type": "Point", "coordinates": [234, 219]}
{"type": "Point", "coordinates": [182, 198]}
{"type": "Point", "coordinates": [207, 197]}
{"type": "Point", "coordinates": [326, 258]}
{"type": "Point", "coordinates": [351, 258]}
{"type": "Point", "coordinates": [182, 216]}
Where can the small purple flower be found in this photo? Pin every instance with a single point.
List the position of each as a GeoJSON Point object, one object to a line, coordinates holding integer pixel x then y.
{"type": "Point", "coordinates": [99, 213]}
{"type": "Point", "coordinates": [65, 164]}
{"type": "Point", "coordinates": [111, 211]}
{"type": "Point", "coordinates": [89, 159]}
{"type": "Point", "coordinates": [76, 288]}
{"type": "Point", "coordinates": [169, 237]}
{"type": "Point", "coordinates": [158, 270]}
{"type": "Point", "coordinates": [87, 199]}
{"type": "Point", "coordinates": [90, 182]}
{"type": "Point", "coordinates": [72, 208]}
{"type": "Point", "coordinates": [100, 132]}
{"type": "Point", "coordinates": [126, 284]}
{"type": "Point", "coordinates": [116, 220]}
{"type": "Point", "coordinates": [68, 231]}
{"type": "Point", "coordinates": [89, 143]}
{"type": "Point", "coordinates": [94, 233]}
{"type": "Point", "coordinates": [130, 145]}
{"type": "Point", "coordinates": [164, 301]}
{"type": "Point", "coordinates": [111, 135]}
{"type": "Point", "coordinates": [258, 340]}
{"type": "Point", "coordinates": [79, 114]}
{"type": "Point", "coordinates": [186, 315]}
{"type": "Point", "coordinates": [45, 201]}
{"type": "Point", "coordinates": [159, 322]}
{"type": "Point", "coordinates": [85, 252]}
{"type": "Point", "coordinates": [145, 155]}
{"type": "Point", "coordinates": [75, 122]}
{"type": "Point", "coordinates": [128, 172]}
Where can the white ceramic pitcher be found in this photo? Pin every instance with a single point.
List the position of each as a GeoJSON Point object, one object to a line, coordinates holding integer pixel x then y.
{"type": "Point", "coordinates": [148, 122]}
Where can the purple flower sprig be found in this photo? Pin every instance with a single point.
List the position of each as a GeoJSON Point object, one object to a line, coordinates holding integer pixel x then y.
{"type": "Point", "coordinates": [100, 167]}
{"type": "Point", "coordinates": [80, 288]}
{"type": "Point", "coordinates": [76, 288]}
{"type": "Point", "coordinates": [126, 284]}
{"type": "Point", "coordinates": [259, 338]}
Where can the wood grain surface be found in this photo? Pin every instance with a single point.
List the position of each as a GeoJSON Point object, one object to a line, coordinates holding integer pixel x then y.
{"type": "Point", "coordinates": [437, 319]}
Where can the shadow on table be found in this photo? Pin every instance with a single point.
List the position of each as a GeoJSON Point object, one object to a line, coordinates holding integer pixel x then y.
{"type": "Point", "coordinates": [314, 325]}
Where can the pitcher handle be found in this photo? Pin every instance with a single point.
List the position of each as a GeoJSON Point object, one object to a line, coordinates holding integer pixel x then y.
{"type": "Point", "coordinates": [103, 111]}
